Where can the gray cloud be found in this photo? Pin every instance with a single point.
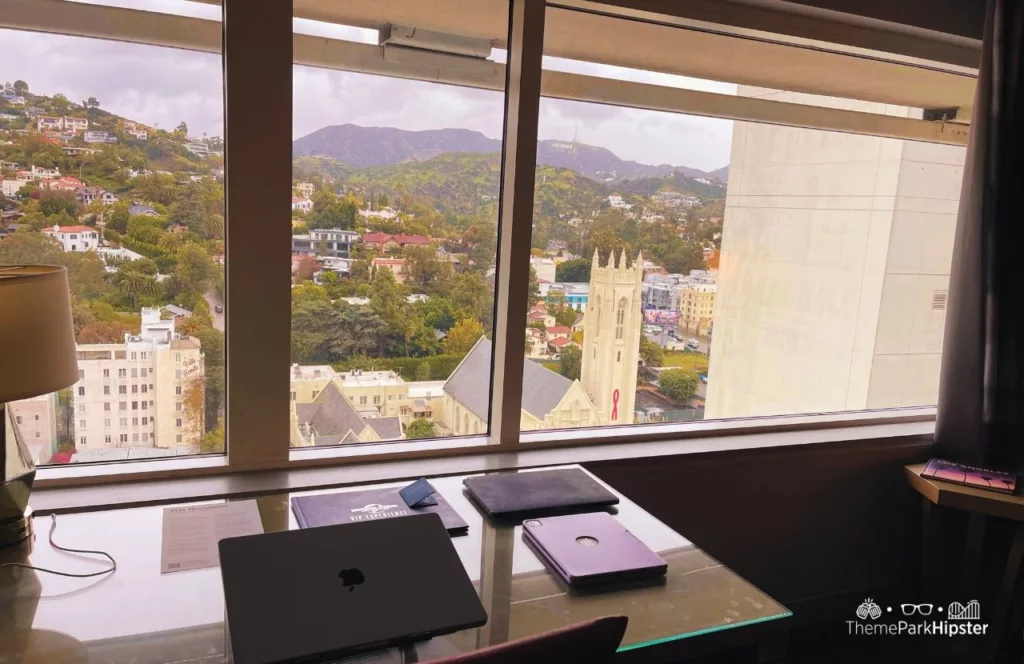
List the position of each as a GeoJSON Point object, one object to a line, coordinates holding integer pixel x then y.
{"type": "Point", "coordinates": [163, 86]}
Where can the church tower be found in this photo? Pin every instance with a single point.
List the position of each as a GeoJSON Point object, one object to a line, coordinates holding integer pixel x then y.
{"type": "Point", "coordinates": [611, 337]}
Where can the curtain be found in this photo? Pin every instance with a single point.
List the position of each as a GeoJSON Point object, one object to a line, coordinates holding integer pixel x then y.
{"type": "Point", "coordinates": [981, 390]}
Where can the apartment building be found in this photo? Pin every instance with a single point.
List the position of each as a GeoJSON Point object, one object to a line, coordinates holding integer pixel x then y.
{"type": "Point", "coordinates": [834, 268]}
{"type": "Point", "coordinates": [696, 308]}
{"type": "Point", "coordinates": [137, 393]}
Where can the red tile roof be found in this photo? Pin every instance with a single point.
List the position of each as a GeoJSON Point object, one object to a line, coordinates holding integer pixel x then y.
{"type": "Point", "coordinates": [559, 329]}
{"type": "Point", "coordinates": [376, 238]}
{"type": "Point", "coordinates": [402, 238]}
{"type": "Point", "coordinates": [560, 341]}
{"type": "Point", "coordinates": [70, 229]}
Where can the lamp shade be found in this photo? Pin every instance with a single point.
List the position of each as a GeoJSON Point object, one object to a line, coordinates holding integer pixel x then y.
{"type": "Point", "coordinates": [37, 335]}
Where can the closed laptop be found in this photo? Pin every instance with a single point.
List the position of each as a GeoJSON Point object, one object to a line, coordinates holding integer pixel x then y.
{"type": "Point", "coordinates": [523, 494]}
{"type": "Point", "coordinates": [305, 595]}
{"type": "Point", "coordinates": [589, 550]}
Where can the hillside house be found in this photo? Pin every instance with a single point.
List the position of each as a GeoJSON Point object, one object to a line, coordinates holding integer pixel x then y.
{"type": "Point", "coordinates": [301, 204]}
{"type": "Point", "coordinates": [66, 183]}
{"type": "Point", "coordinates": [75, 238]}
{"type": "Point", "coordinates": [140, 209]}
{"type": "Point", "coordinates": [198, 149]}
{"type": "Point", "coordinates": [89, 194]}
{"type": "Point", "coordinates": [396, 265]}
{"type": "Point", "coordinates": [75, 125]}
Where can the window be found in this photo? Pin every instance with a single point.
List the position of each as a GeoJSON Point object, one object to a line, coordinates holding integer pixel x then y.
{"type": "Point", "coordinates": [135, 437]}
{"type": "Point", "coordinates": [106, 422]}
{"type": "Point", "coordinates": [429, 250]}
{"type": "Point", "coordinates": [135, 421]}
{"type": "Point", "coordinates": [81, 424]}
{"type": "Point", "coordinates": [17, 419]}
{"type": "Point", "coordinates": [178, 438]}
{"type": "Point", "coordinates": [81, 374]}
{"type": "Point", "coordinates": [145, 421]}
{"type": "Point", "coordinates": [82, 441]}
{"type": "Point", "coordinates": [107, 439]}
{"type": "Point", "coordinates": [81, 391]}
{"type": "Point", "coordinates": [177, 422]}
{"type": "Point", "coordinates": [145, 436]}
{"type": "Point", "coordinates": [663, 290]}
{"type": "Point", "coordinates": [123, 438]}
{"type": "Point", "coordinates": [135, 405]}
{"type": "Point", "coordinates": [123, 421]}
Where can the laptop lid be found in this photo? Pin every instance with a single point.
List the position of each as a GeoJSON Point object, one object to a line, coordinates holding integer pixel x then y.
{"type": "Point", "coordinates": [541, 492]}
{"type": "Point", "coordinates": [329, 591]}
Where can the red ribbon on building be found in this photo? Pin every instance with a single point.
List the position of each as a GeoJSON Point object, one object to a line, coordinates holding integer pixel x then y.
{"type": "Point", "coordinates": [615, 405]}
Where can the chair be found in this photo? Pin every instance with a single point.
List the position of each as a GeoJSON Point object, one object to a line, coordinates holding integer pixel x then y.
{"type": "Point", "coordinates": [590, 642]}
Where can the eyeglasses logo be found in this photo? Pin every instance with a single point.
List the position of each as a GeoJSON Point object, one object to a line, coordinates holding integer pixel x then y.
{"type": "Point", "coordinates": [920, 609]}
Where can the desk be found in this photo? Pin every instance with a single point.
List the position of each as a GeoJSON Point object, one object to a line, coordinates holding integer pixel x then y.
{"type": "Point", "coordinates": [180, 617]}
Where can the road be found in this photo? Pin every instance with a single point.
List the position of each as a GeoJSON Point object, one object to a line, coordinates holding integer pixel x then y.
{"type": "Point", "coordinates": [214, 301]}
{"type": "Point", "coordinates": [668, 343]}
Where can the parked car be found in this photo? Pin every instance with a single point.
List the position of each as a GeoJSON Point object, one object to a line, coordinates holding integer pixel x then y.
{"type": "Point", "coordinates": [693, 344]}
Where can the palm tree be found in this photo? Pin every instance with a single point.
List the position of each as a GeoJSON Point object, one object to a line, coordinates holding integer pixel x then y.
{"type": "Point", "coordinates": [135, 284]}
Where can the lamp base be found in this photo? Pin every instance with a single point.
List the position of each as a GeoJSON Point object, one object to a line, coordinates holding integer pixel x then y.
{"type": "Point", "coordinates": [16, 530]}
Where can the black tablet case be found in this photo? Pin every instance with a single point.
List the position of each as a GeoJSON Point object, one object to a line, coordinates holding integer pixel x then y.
{"type": "Point", "coordinates": [563, 491]}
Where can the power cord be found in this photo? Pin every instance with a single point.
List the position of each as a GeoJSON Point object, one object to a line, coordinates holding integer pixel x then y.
{"type": "Point", "coordinates": [53, 527]}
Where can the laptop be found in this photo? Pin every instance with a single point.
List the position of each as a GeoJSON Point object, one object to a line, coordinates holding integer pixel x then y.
{"type": "Point", "coordinates": [319, 593]}
{"type": "Point", "coordinates": [560, 491]}
{"type": "Point", "coordinates": [592, 550]}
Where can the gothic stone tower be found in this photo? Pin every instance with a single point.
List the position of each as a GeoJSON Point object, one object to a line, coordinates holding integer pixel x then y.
{"type": "Point", "coordinates": [611, 337]}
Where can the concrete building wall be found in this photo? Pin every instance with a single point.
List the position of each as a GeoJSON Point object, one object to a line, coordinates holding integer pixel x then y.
{"type": "Point", "coordinates": [834, 248]}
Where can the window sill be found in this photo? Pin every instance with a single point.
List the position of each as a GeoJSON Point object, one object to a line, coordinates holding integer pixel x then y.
{"type": "Point", "coordinates": [210, 478]}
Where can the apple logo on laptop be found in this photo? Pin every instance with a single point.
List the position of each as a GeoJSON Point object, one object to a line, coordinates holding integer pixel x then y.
{"type": "Point", "coordinates": [352, 577]}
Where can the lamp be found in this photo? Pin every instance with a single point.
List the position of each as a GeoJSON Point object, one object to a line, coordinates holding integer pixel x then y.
{"type": "Point", "coordinates": [37, 356]}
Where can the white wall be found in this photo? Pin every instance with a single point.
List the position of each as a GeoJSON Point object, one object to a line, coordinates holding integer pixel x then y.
{"type": "Point", "coordinates": [832, 247]}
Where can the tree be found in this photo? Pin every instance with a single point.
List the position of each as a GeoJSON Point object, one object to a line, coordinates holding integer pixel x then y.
{"type": "Point", "coordinates": [533, 294]}
{"type": "Point", "coordinates": [652, 354]}
{"type": "Point", "coordinates": [194, 272]}
{"type": "Point", "coordinates": [329, 211]}
{"type": "Point", "coordinates": [571, 362]}
{"type": "Point", "coordinates": [194, 399]}
{"type": "Point", "coordinates": [181, 129]}
{"type": "Point", "coordinates": [461, 338]}
{"type": "Point", "coordinates": [421, 428]}
{"type": "Point", "coordinates": [576, 270]}
{"type": "Point", "coordinates": [52, 203]}
{"type": "Point", "coordinates": [307, 267]}
{"type": "Point", "coordinates": [91, 102]}
{"type": "Point", "coordinates": [678, 384]}
{"type": "Point", "coordinates": [60, 103]}
{"type": "Point", "coordinates": [188, 210]}
{"type": "Point", "coordinates": [212, 441]}
{"type": "Point", "coordinates": [134, 285]}
{"type": "Point", "coordinates": [21, 87]}
{"type": "Point", "coordinates": [308, 291]}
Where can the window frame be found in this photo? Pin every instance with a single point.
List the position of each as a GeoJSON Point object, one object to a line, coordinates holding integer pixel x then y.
{"type": "Point", "coordinates": [259, 50]}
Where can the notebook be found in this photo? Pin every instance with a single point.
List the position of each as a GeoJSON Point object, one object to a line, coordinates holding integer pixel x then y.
{"type": "Point", "coordinates": [588, 550]}
{"type": "Point", "coordinates": [329, 509]}
{"type": "Point", "coordinates": [521, 494]}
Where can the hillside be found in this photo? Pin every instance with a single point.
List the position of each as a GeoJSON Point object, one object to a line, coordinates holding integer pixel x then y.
{"type": "Point", "coordinates": [383, 146]}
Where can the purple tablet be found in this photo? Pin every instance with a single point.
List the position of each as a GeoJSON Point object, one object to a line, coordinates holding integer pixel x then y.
{"type": "Point", "coordinates": [586, 550]}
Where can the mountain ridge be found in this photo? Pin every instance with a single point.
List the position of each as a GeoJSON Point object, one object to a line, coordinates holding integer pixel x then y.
{"type": "Point", "coordinates": [360, 147]}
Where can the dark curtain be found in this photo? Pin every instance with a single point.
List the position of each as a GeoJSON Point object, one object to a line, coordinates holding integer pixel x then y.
{"type": "Point", "coordinates": [981, 391]}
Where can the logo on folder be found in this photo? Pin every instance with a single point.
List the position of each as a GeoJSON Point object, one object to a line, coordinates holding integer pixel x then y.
{"type": "Point", "coordinates": [374, 508]}
{"type": "Point", "coordinates": [969, 611]}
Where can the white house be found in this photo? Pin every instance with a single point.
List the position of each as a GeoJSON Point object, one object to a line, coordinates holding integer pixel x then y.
{"type": "Point", "coordinates": [10, 187]}
{"type": "Point", "coordinates": [301, 204]}
{"type": "Point", "coordinates": [616, 202]}
{"type": "Point", "coordinates": [305, 188]}
{"type": "Point", "coordinates": [385, 213]}
{"type": "Point", "coordinates": [75, 238]}
{"type": "Point", "coordinates": [97, 137]}
{"type": "Point", "coordinates": [90, 194]}
{"type": "Point", "coordinates": [75, 124]}
{"type": "Point", "coordinates": [48, 122]}
{"type": "Point", "coordinates": [199, 149]}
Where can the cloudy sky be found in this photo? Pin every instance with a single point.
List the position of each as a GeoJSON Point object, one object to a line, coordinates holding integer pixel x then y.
{"type": "Point", "coordinates": [163, 87]}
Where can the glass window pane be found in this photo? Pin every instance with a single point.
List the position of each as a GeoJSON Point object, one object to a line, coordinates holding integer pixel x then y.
{"type": "Point", "coordinates": [394, 218]}
{"type": "Point", "coordinates": [111, 164]}
{"type": "Point", "coordinates": [691, 267]}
